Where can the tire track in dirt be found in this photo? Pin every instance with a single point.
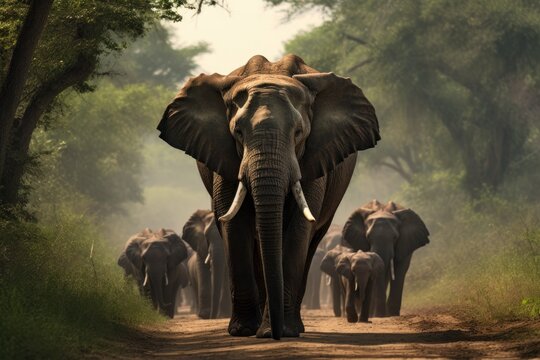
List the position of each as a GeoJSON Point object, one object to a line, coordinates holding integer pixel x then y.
{"type": "Point", "coordinates": [409, 336]}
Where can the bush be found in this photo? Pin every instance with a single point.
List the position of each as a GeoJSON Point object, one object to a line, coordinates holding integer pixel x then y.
{"type": "Point", "coordinates": [55, 300]}
{"type": "Point", "coordinates": [483, 260]}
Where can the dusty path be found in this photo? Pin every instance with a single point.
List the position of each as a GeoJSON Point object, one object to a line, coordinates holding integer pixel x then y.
{"type": "Point", "coordinates": [326, 337]}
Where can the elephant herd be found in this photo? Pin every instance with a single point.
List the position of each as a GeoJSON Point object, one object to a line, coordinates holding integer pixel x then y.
{"type": "Point", "coordinates": [166, 266]}
{"type": "Point", "coordinates": [367, 259]}
{"type": "Point", "coordinates": [276, 144]}
{"type": "Point", "coordinates": [361, 261]}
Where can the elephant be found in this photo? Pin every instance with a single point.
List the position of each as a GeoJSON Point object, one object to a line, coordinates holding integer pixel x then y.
{"type": "Point", "coordinates": [276, 145]}
{"type": "Point", "coordinates": [208, 267]}
{"type": "Point", "coordinates": [394, 233]}
{"type": "Point", "coordinates": [362, 274]}
{"type": "Point", "coordinates": [157, 260]}
{"type": "Point", "coordinates": [329, 267]}
{"type": "Point", "coordinates": [130, 271]}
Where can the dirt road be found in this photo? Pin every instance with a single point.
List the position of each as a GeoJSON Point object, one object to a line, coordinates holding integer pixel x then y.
{"type": "Point", "coordinates": [409, 336]}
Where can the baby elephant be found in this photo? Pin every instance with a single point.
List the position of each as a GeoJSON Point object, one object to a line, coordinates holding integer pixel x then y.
{"type": "Point", "coordinates": [361, 278]}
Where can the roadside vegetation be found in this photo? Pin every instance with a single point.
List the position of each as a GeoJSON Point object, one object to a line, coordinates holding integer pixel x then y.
{"type": "Point", "coordinates": [62, 193]}
{"type": "Point", "coordinates": [455, 85]}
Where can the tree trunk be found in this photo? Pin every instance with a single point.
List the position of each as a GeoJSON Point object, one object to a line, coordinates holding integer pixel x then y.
{"type": "Point", "coordinates": [18, 158]}
{"type": "Point", "coordinates": [19, 66]}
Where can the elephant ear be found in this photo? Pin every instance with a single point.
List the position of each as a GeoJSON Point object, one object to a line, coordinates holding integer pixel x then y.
{"type": "Point", "coordinates": [343, 123]}
{"type": "Point", "coordinates": [123, 261]}
{"type": "Point", "coordinates": [193, 230]}
{"type": "Point", "coordinates": [354, 230]}
{"type": "Point", "coordinates": [413, 233]}
{"type": "Point", "coordinates": [178, 250]}
{"type": "Point", "coordinates": [196, 122]}
{"type": "Point", "coordinates": [343, 266]}
{"type": "Point", "coordinates": [133, 251]}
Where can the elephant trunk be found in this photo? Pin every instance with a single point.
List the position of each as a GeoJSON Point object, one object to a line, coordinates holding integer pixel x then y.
{"type": "Point", "coordinates": [269, 181]}
{"type": "Point", "coordinates": [156, 288]}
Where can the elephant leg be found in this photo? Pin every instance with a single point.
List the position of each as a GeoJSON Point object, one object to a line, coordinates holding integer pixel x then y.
{"type": "Point", "coordinates": [204, 289]}
{"type": "Point", "coordinates": [239, 240]}
{"type": "Point", "coordinates": [335, 283]}
{"type": "Point", "coordinates": [396, 286]}
{"type": "Point", "coordinates": [315, 239]}
{"type": "Point", "coordinates": [350, 301]}
{"type": "Point", "coordinates": [366, 301]}
{"type": "Point", "coordinates": [225, 298]}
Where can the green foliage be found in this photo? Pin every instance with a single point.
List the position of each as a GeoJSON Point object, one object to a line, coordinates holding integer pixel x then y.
{"type": "Point", "coordinates": [96, 148]}
{"type": "Point", "coordinates": [483, 261]}
{"type": "Point", "coordinates": [55, 300]}
{"type": "Point", "coordinates": [461, 76]}
{"type": "Point", "coordinates": [153, 60]}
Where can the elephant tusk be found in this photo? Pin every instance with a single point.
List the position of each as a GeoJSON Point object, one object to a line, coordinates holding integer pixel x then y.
{"type": "Point", "coordinates": [355, 286]}
{"type": "Point", "coordinates": [236, 204]}
{"type": "Point", "coordinates": [301, 200]}
{"type": "Point", "coordinates": [207, 260]}
{"type": "Point", "coordinates": [166, 280]}
{"type": "Point", "coordinates": [392, 274]}
{"type": "Point", "coordinates": [328, 280]}
{"type": "Point", "coordinates": [145, 279]}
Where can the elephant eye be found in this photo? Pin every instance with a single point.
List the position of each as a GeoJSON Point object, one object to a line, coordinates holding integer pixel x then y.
{"type": "Point", "coordinates": [238, 135]}
{"type": "Point", "coordinates": [297, 133]}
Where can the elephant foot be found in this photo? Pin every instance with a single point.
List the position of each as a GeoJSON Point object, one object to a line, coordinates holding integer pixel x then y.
{"type": "Point", "coordinates": [365, 321]}
{"type": "Point", "coordinates": [238, 327]}
{"type": "Point", "coordinates": [265, 331]}
{"type": "Point", "coordinates": [352, 317]}
{"type": "Point", "coordinates": [301, 327]}
{"type": "Point", "coordinates": [204, 315]}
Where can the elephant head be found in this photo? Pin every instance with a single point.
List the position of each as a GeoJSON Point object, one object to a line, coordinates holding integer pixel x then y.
{"type": "Point", "coordinates": [267, 126]}
{"type": "Point", "coordinates": [329, 265]}
{"type": "Point", "coordinates": [193, 233]}
{"type": "Point", "coordinates": [391, 231]}
{"type": "Point", "coordinates": [157, 257]}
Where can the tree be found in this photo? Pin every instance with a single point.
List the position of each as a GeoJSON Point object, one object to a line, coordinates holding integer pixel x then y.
{"type": "Point", "coordinates": [76, 36]}
{"type": "Point", "coordinates": [152, 59]}
{"type": "Point", "coordinates": [470, 67]}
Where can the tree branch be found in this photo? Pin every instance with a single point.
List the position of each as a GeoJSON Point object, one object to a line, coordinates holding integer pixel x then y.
{"type": "Point", "coordinates": [397, 169]}
{"type": "Point", "coordinates": [40, 102]}
{"type": "Point", "coordinates": [356, 39]}
{"type": "Point", "coordinates": [360, 64]}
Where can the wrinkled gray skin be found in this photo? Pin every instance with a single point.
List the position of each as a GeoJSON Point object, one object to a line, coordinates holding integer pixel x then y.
{"type": "Point", "coordinates": [271, 126]}
{"type": "Point", "coordinates": [394, 233]}
{"type": "Point", "coordinates": [157, 259]}
{"type": "Point", "coordinates": [362, 274]}
{"type": "Point", "coordinates": [208, 268]}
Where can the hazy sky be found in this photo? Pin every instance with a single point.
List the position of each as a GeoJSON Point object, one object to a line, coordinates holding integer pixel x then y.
{"type": "Point", "coordinates": [250, 28]}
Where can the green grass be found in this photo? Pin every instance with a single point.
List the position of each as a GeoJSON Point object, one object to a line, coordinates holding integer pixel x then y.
{"type": "Point", "coordinates": [483, 262]}
{"type": "Point", "coordinates": [55, 301]}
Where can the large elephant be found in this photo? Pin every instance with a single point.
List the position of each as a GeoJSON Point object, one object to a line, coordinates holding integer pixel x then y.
{"type": "Point", "coordinates": [276, 145]}
{"type": "Point", "coordinates": [157, 259]}
{"type": "Point", "coordinates": [394, 233]}
{"type": "Point", "coordinates": [208, 268]}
